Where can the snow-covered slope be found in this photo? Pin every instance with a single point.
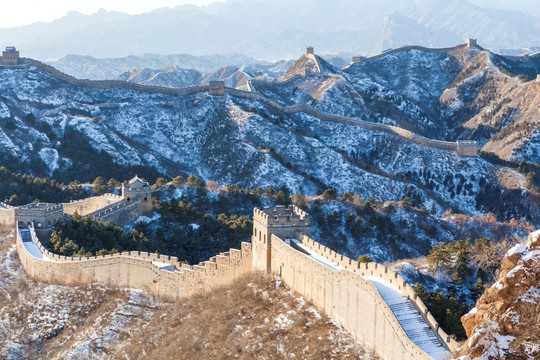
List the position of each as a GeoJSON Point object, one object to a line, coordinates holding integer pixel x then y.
{"type": "Point", "coordinates": [54, 127]}
{"type": "Point", "coordinates": [172, 76]}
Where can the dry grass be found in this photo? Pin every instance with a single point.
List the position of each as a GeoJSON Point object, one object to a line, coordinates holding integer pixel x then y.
{"type": "Point", "coordinates": [253, 319]}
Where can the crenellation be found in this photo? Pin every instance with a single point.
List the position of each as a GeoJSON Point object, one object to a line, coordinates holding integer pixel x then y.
{"type": "Point", "coordinates": [222, 260]}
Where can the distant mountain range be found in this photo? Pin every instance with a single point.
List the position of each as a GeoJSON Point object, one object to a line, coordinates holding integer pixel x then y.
{"type": "Point", "coordinates": [276, 29]}
{"type": "Point", "coordinates": [88, 67]}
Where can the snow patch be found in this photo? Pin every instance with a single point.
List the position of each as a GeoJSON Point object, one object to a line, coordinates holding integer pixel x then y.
{"type": "Point", "coordinates": [50, 158]}
{"type": "Point", "coordinates": [4, 111]}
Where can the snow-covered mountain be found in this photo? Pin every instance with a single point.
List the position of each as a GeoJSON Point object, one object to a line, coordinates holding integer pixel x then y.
{"type": "Point", "coordinates": [89, 67]}
{"type": "Point", "coordinates": [51, 127]}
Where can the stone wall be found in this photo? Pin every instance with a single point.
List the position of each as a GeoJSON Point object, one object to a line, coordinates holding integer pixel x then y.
{"type": "Point", "coordinates": [114, 84]}
{"type": "Point", "coordinates": [384, 272]}
{"type": "Point", "coordinates": [108, 84]}
{"type": "Point", "coordinates": [7, 215]}
{"type": "Point", "coordinates": [467, 148]}
{"type": "Point", "coordinates": [121, 213]}
{"type": "Point", "coordinates": [136, 269]}
{"type": "Point", "coordinates": [297, 108]}
{"type": "Point", "coordinates": [89, 205]}
{"type": "Point", "coordinates": [415, 47]}
{"type": "Point", "coordinates": [348, 298]}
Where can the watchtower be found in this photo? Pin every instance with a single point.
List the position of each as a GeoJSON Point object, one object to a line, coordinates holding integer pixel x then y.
{"type": "Point", "coordinates": [139, 190]}
{"type": "Point", "coordinates": [216, 88]}
{"type": "Point", "coordinates": [467, 148]}
{"type": "Point", "coordinates": [310, 69]}
{"type": "Point", "coordinates": [538, 78]}
{"type": "Point", "coordinates": [284, 222]}
{"type": "Point", "coordinates": [309, 50]}
{"type": "Point", "coordinates": [357, 59]}
{"type": "Point", "coordinates": [10, 56]}
{"type": "Point", "coordinates": [43, 215]}
{"type": "Point", "coordinates": [471, 43]}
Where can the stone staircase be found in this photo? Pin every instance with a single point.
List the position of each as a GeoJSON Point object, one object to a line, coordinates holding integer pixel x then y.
{"type": "Point", "coordinates": [410, 319]}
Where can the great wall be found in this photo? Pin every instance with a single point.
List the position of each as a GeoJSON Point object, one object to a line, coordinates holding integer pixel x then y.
{"type": "Point", "coordinates": [371, 301]}
{"type": "Point", "coordinates": [217, 88]}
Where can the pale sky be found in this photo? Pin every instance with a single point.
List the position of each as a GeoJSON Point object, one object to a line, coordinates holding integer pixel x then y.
{"type": "Point", "coordinates": [23, 12]}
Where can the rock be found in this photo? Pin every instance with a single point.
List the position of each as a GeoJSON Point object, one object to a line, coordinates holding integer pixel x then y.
{"type": "Point", "coordinates": [504, 323]}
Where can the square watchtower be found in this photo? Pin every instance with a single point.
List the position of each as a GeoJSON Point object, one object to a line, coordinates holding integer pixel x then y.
{"type": "Point", "coordinates": [216, 88]}
{"type": "Point", "coordinates": [284, 222]}
{"type": "Point", "coordinates": [43, 215]}
{"type": "Point", "coordinates": [471, 43]}
{"type": "Point", "coordinates": [467, 148]}
{"type": "Point", "coordinates": [139, 190]}
{"type": "Point", "coordinates": [10, 56]}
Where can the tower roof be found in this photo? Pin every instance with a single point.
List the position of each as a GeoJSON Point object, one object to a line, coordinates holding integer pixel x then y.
{"type": "Point", "coordinates": [135, 180]}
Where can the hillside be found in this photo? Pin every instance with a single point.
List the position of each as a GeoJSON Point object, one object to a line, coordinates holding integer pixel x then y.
{"type": "Point", "coordinates": [257, 317]}
{"type": "Point", "coordinates": [53, 128]}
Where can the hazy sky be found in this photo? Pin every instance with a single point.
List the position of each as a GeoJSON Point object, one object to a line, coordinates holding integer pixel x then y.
{"type": "Point", "coordinates": [22, 12]}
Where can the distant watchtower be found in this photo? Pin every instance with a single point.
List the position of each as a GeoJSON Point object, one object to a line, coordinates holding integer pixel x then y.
{"type": "Point", "coordinates": [216, 88]}
{"type": "Point", "coordinates": [284, 222]}
{"type": "Point", "coordinates": [357, 59]}
{"type": "Point", "coordinates": [309, 50]}
{"type": "Point", "coordinates": [471, 43]}
{"type": "Point", "coordinates": [138, 190]}
{"type": "Point", "coordinates": [10, 56]}
{"type": "Point", "coordinates": [467, 148]}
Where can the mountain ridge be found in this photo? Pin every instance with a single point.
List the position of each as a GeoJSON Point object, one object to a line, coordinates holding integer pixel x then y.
{"type": "Point", "coordinates": [230, 27]}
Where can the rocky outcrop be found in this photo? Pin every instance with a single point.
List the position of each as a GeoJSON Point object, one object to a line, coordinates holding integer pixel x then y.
{"type": "Point", "coordinates": [506, 320]}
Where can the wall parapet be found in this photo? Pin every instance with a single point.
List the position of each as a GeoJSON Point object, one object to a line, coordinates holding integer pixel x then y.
{"type": "Point", "coordinates": [346, 120]}
{"type": "Point", "coordinates": [386, 273]}
{"type": "Point", "coordinates": [6, 206]}
{"type": "Point", "coordinates": [126, 268]}
{"type": "Point", "coordinates": [116, 84]}
{"type": "Point", "coordinates": [336, 292]}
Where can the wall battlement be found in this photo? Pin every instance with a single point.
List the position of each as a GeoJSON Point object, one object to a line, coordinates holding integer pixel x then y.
{"type": "Point", "coordinates": [281, 215]}
{"type": "Point", "coordinates": [341, 292]}
{"type": "Point", "coordinates": [114, 84]}
{"type": "Point", "coordinates": [386, 273]}
{"type": "Point", "coordinates": [162, 275]}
